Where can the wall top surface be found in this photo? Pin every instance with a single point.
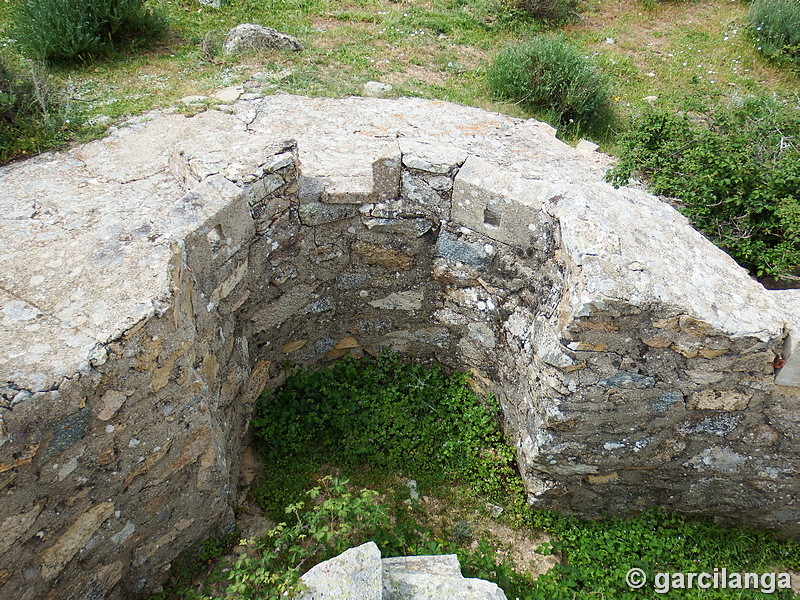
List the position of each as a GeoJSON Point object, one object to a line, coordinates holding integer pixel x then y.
{"type": "Point", "coordinates": [88, 237]}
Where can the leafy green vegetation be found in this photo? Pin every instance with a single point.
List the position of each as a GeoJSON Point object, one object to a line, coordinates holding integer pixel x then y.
{"type": "Point", "coordinates": [328, 514]}
{"type": "Point", "coordinates": [775, 26]}
{"type": "Point", "coordinates": [34, 115]}
{"type": "Point", "coordinates": [598, 554]}
{"type": "Point", "coordinates": [337, 520]}
{"type": "Point", "coordinates": [385, 415]}
{"type": "Point", "coordinates": [68, 30]}
{"type": "Point", "coordinates": [736, 172]}
{"type": "Point", "coordinates": [551, 78]}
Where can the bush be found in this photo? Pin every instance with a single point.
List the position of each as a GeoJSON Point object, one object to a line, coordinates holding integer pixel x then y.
{"type": "Point", "coordinates": [338, 520]}
{"type": "Point", "coordinates": [555, 11]}
{"type": "Point", "coordinates": [33, 114]}
{"type": "Point", "coordinates": [775, 24]}
{"type": "Point", "coordinates": [737, 175]}
{"type": "Point", "coordinates": [552, 80]}
{"type": "Point", "coordinates": [70, 29]}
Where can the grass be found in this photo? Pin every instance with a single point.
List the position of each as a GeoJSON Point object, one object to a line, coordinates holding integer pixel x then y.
{"type": "Point", "coordinates": [354, 433]}
{"type": "Point", "coordinates": [672, 49]}
{"type": "Point", "coordinates": [428, 48]}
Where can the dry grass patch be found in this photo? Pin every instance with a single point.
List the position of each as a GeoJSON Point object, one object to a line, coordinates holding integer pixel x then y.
{"type": "Point", "coordinates": [672, 48]}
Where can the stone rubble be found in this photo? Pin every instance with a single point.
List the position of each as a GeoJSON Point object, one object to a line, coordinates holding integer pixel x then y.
{"type": "Point", "coordinates": [361, 574]}
{"type": "Point", "coordinates": [154, 282]}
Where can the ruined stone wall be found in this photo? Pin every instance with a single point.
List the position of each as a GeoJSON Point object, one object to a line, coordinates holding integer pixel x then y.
{"type": "Point", "coordinates": [634, 362]}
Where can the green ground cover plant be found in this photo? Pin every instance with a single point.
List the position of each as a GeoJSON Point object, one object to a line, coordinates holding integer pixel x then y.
{"type": "Point", "coordinates": [775, 27]}
{"type": "Point", "coordinates": [68, 30]}
{"type": "Point", "coordinates": [333, 513]}
{"type": "Point", "coordinates": [385, 415]}
{"type": "Point", "coordinates": [736, 172]}
{"type": "Point", "coordinates": [552, 79]}
{"type": "Point", "coordinates": [598, 554]}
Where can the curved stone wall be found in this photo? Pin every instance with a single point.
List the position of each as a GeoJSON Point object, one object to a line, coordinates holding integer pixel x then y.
{"type": "Point", "coordinates": [154, 283]}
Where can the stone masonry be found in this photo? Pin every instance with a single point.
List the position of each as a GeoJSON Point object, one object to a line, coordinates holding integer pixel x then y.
{"type": "Point", "coordinates": [153, 283]}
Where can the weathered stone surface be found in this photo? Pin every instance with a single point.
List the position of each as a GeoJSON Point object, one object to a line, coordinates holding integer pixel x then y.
{"type": "Point", "coordinates": [375, 89]}
{"type": "Point", "coordinates": [318, 213]}
{"type": "Point", "coordinates": [360, 573]}
{"type": "Point", "coordinates": [410, 300]}
{"type": "Point", "coordinates": [356, 573]}
{"type": "Point", "coordinates": [16, 526]}
{"type": "Point", "coordinates": [506, 209]}
{"type": "Point", "coordinates": [719, 400]}
{"type": "Point", "coordinates": [413, 227]}
{"type": "Point", "coordinates": [228, 94]}
{"type": "Point", "coordinates": [431, 157]}
{"type": "Point", "coordinates": [789, 372]}
{"type": "Point", "coordinates": [433, 578]}
{"type": "Point", "coordinates": [383, 256]}
{"type": "Point", "coordinates": [451, 248]}
{"type": "Point", "coordinates": [386, 173]}
{"type": "Point", "coordinates": [249, 36]}
{"type": "Point", "coordinates": [55, 558]}
{"type": "Point", "coordinates": [150, 281]}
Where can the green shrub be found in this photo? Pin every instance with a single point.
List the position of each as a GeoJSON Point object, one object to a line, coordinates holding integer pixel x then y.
{"type": "Point", "coordinates": [552, 80]}
{"type": "Point", "coordinates": [338, 520]}
{"type": "Point", "coordinates": [775, 25]}
{"type": "Point", "coordinates": [68, 29]}
{"type": "Point", "coordinates": [737, 175]}
{"type": "Point", "coordinates": [33, 114]}
{"type": "Point", "coordinates": [555, 11]}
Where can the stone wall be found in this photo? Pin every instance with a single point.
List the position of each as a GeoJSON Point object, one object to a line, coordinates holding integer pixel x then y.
{"type": "Point", "coordinates": [187, 259]}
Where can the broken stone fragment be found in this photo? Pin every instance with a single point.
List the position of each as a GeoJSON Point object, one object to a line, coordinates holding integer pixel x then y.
{"type": "Point", "coordinates": [319, 213]}
{"type": "Point", "coordinates": [719, 400]}
{"type": "Point", "coordinates": [409, 300]}
{"type": "Point", "coordinates": [55, 558]}
{"type": "Point", "coordinates": [452, 248]}
{"type": "Point", "coordinates": [628, 380]}
{"type": "Point", "coordinates": [361, 573]}
{"type": "Point", "coordinates": [228, 95]}
{"type": "Point", "coordinates": [388, 258]}
{"type": "Point", "coordinates": [356, 573]}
